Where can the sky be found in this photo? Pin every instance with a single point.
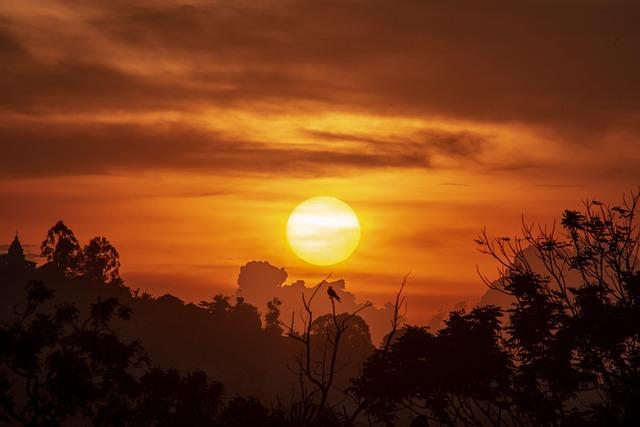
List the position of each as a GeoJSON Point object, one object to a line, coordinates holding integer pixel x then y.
{"type": "Point", "coordinates": [187, 132]}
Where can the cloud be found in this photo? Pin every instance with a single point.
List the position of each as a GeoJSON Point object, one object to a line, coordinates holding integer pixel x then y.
{"type": "Point", "coordinates": [541, 62]}
{"type": "Point", "coordinates": [570, 76]}
{"type": "Point", "coordinates": [43, 149]}
{"type": "Point", "coordinates": [259, 282]}
{"type": "Point", "coordinates": [570, 67]}
{"type": "Point", "coordinates": [459, 144]}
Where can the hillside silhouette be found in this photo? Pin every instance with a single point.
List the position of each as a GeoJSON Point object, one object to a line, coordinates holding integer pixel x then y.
{"type": "Point", "coordinates": [226, 337]}
{"type": "Point", "coordinates": [562, 347]}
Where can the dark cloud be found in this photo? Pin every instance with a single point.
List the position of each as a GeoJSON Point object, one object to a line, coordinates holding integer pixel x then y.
{"type": "Point", "coordinates": [544, 62]}
{"type": "Point", "coordinates": [461, 145]}
{"type": "Point", "coordinates": [52, 148]}
{"type": "Point", "coordinates": [74, 84]}
{"type": "Point", "coordinates": [10, 48]}
{"type": "Point", "coordinates": [566, 69]}
{"type": "Point", "coordinates": [570, 67]}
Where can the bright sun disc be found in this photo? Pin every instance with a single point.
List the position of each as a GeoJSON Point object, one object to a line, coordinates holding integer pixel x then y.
{"type": "Point", "coordinates": [323, 230]}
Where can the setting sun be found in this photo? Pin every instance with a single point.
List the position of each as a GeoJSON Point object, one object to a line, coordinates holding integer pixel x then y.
{"type": "Point", "coordinates": [323, 230]}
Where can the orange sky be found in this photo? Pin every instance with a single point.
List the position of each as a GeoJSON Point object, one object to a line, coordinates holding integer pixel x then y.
{"type": "Point", "coordinates": [186, 133]}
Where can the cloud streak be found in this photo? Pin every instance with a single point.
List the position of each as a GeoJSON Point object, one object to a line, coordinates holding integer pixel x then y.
{"type": "Point", "coordinates": [41, 149]}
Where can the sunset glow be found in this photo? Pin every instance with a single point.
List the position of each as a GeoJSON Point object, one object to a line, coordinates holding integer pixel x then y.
{"type": "Point", "coordinates": [187, 133]}
{"type": "Point", "coordinates": [323, 230]}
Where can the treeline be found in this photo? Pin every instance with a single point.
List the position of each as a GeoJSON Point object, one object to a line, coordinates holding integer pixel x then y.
{"type": "Point", "coordinates": [61, 367]}
{"type": "Point", "coordinates": [566, 352]}
{"type": "Point", "coordinates": [98, 260]}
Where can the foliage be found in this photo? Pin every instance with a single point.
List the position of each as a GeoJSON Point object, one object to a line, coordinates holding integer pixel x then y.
{"type": "Point", "coordinates": [454, 376]}
{"type": "Point", "coordinates": [61, 248]}
{"type": "Point", "coordinates": [100, 261]}
{"type": "Point", "coordinates": [61, 367]}
{"type": "Point", "coordinates": [219, 306]}
{"type": "Point", "coordinates": [272, 318]}
{"type": "Point", "coordinates": [567, 353]}
{"type": "Point", "coordinates": [65, 366]}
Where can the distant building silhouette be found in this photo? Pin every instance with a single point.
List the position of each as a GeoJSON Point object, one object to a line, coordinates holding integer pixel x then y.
{"type": "Point", "coordinates": [15, 260]}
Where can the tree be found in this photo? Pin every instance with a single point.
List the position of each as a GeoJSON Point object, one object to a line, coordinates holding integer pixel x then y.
{"type": "Point", "coordinates": [56, 368]}
{"type": "Point", "coordinates": [61, 248]}
{"type": "Point", "coordinates": [568, 352]}
{"type": "Point", "coordinates": [318, 363]}
{"type": "Point", "coordinates": [573, 330]}
{"type": "Point", "coordinates": [272, 318]}
{"type": "Point", "coordinates": [218, 307]}
{"type": "Point", "coordinates": [245, 317]}
{"type": "Point", "coordinates": [355, 341]}
{"type": "Point", "coordinates": [100, 261]}
{"type": "Point", "coordinates": [458, 376]}
{"type": "Point", "coordinates": [573, 324]}
{"type": "Point", "coordinates": [65, 366]}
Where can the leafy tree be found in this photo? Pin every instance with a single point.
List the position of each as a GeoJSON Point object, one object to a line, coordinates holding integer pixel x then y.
{"type": "Point", "coordinates": [354, 343]}
{"type": "Point", "coordinates": [568, 352]}
{"type": "Point", "coordinates": [245, 316]}
{"type": "Point", "coordinates": [272, 318]}
{"type": "Point", "coordinates": [58, 368]}
{"type": "Point", "coordinates": [61, 248]}
{"type": "Point", "coordinates": [458, 376]}
{"type": "Point", "coordinates": [65, 366]}
{"type": "Point", "coordinates": [100, 261]}
{"type": "Point", "coordinates": [573, 326]}
{"type": "Point", "coordinates": [218, 307]}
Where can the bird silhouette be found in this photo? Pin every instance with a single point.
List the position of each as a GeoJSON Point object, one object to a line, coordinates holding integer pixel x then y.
{"type": "Point", "coordinates": [332, 293]}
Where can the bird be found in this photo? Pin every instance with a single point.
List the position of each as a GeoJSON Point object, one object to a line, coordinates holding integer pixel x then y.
{"type": "Point", "coordinates": [332, 293]}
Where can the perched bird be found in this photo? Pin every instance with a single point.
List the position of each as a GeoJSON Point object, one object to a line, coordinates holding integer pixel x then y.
{"type": "Point", "coordinates": [332, 294]}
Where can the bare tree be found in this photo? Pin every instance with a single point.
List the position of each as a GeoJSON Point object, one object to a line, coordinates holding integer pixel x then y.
{"type": "Point", "coordinates": [317, 368]}
{"type": "Point", "coordinates": [317, 365]}
{"type": "Point", "coordinates": [399, 305]}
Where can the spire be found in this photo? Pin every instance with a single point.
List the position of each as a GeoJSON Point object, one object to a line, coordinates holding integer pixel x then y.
{"type": "Point", "coordinates": [15, 250]}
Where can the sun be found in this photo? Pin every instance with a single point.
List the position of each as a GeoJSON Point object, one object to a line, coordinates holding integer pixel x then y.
{"type": "Point", "coordinates": [323, 230]}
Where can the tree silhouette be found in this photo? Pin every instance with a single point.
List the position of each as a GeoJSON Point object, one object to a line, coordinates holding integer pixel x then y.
{"type": "Point", "coordinates": [61, 248]}
{"type": "Point", "coordinates": [100, 261]}
{"type": "Point", "coordinates": [272, 317]}
{"type": "Point", "coordinates": [573, 326]}
{"type": "Point", "coordinates": [219, 306]}
{"type": "Point", "coordinates": [318, 363]}
{"type": "Point", "coordinates": [355, 340]}
{"type": "Point", "coordinates": [457, 376]}
{"type": "Point", "coordinates": [64, 366]}
{"type": "Point", "coordinates": [59, 369]}
{"type": "Point", "coordinates": [568, 352]}
{"type": "Point", "coordinates": [245, 316]}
